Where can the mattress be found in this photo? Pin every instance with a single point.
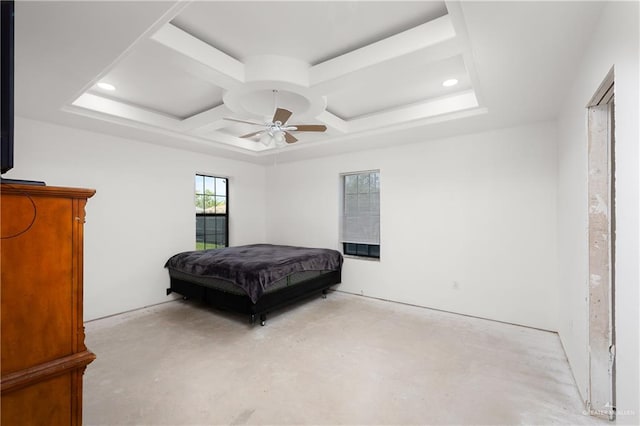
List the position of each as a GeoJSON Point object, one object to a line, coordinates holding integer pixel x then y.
{"type": "Point", "coordinates": [254, 269]}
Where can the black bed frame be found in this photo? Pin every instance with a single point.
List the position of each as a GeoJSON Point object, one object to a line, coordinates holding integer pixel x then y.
{"type": "Point", "coordinates": [269, 302]}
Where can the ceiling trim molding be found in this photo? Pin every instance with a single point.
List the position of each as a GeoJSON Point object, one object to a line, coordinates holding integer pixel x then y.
{"type": "Point", "coordinates": [228, 72]}
{"type": "Point", "coordinates": [241, 147]}
{"type": "Point", "coordinates": [121, 109]}
{"type": "Point", "coordinates": [460, 27]}
{"type": "Point", "coordinates": [431, 108]}
{"type": "Point", "coordinates": [206, 119]}
{"type": "Point", "coordinates": [327, 76]}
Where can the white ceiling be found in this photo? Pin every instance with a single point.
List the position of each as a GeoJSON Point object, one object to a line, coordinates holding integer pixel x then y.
{"type": "Point", "coordinates": [310, 31]}
{"type": "Point", "coordinates": [366, 70]}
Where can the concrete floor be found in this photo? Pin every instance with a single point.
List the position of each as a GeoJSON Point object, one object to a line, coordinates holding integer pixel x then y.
{"type": "Point", "coordinates": [343, 360]}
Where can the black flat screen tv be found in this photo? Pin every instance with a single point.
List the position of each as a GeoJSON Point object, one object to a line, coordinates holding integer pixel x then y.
{"type": "Point", "coordinates": [6, 84]}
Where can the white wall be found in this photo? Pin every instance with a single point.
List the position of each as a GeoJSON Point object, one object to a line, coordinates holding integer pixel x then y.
{"type": "Point", "coordinates": [142, 212]}
{"type": "Point", "coordinates": [614, 43]}
{"type": "Point", "coordinates": [468, 224]}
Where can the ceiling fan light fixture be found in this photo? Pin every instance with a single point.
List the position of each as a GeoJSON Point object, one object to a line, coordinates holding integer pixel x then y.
{"type": "Point", "coordinates": [279, 139]}
{"type": "Point", "coordinates": [277, 131]}
{"type": "Point", "coordinates": [265, 139]}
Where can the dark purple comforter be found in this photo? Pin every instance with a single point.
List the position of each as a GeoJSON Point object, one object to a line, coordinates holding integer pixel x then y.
{"type": "Point", "coordinates": [255, 267]}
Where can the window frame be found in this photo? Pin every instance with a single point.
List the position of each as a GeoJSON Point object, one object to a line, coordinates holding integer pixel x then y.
{"type": "Point", "coordinates": [358, 249]}
{"type": "Point", "coordinates": [204, 214]}
{"type": "Point", "coordinates": [372, 250]}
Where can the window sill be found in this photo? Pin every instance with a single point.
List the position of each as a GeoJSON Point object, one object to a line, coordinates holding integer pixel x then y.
{"type": "Point", "coordinates": [370, 259]}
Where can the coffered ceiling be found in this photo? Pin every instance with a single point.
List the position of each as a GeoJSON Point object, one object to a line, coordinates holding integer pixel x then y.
{"type": "Point", "coordinates": [371, 72]}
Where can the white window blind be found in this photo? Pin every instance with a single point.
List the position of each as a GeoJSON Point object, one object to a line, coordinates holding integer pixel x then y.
{"type": "Point", "coordinates": [360, 220]}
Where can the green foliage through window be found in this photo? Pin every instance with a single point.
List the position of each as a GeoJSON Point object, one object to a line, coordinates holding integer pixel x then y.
{"type": "Point", "coordinates": [210, 202]}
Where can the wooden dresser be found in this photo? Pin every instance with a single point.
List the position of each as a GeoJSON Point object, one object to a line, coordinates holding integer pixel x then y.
{"type": "Point", "coordinates": [43, 350]}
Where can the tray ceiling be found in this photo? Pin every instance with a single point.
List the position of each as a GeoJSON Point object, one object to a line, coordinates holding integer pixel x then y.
{"type": "Point", "coordinates": [370, 71]}
{"type": "Point", "coordinates": [357, 67]}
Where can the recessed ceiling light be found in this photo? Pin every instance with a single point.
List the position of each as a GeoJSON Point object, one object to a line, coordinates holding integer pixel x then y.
{"type": "Point", "coordinates": [450, 82]}
{"type": "Point", "coordinates": [107, 86]}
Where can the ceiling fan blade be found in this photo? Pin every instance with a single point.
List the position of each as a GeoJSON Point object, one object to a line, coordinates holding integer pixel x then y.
{"type": "Point", "coordinates": [243, 121]}
{"type": "Point", "coordinates": [281, 115]}
{"type": "Point", "coordinates": [289, 137]}
{"type": "Point", "coordinates": [309, 127]}
{"type": "Point", "coordinates": [248, 135]}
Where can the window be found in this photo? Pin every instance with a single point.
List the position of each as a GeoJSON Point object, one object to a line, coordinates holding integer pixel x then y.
{"type": "Point", "coordinates": [360, 221]}
{"type": "Point", "coordinates": [212, 213]}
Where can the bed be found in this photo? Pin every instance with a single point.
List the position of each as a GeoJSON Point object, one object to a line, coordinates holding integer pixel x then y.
{"type": "Point", "coordinates": [254, 279]}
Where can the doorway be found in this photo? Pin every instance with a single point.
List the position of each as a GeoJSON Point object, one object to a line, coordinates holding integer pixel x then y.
{"type": "Point", "coordinates": [601, 189]}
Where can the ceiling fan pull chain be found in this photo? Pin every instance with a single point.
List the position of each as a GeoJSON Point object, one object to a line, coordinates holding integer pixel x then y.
{"type": "Point", "coordinates": [275, 100]}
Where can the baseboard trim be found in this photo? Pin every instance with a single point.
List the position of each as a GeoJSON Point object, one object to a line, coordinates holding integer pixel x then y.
{"type": "Point", "coordinates": [449, 312]}
{"type": "Point", "coordinates": [132, 310]}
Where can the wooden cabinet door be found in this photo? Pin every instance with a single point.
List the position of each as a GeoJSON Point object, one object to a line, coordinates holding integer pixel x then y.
{"type": "Point", "coordinates": [37, 269]}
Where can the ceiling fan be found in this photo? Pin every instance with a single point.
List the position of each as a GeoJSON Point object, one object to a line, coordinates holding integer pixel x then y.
{"type": "Point", "coordinates": [277, 129]}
